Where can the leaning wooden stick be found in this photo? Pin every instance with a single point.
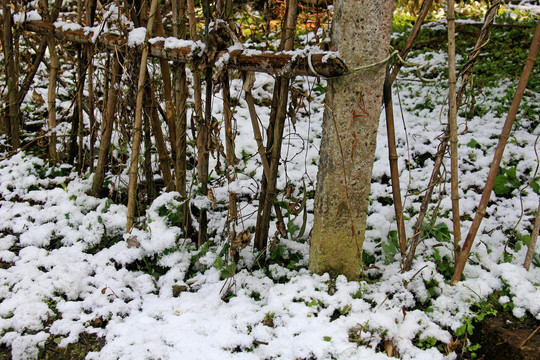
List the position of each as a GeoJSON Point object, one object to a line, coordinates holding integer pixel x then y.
{"type": "Point", "coordinates": [532, 241]}
{"type": "Point", "coordinates": [452, 123]}
{"type": "Point", "coordinates": [137, 127]}
{"type": "Point", "coordinates": [392, 157]}
{"type": "Point", "coordinates": [441, 151]}
{"type": "Point", "coordinates": [505, 134]}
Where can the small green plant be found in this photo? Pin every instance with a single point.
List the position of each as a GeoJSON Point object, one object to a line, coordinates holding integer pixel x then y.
{"type": "Point", "coordinates": [439, 231]}
{"type": "Point", "coordinates": [315, 303]}
{"type": "Point", "coordinates": [506, 182]}
{"type": "Point", "coordinates": [391, 247]}
{"type": "Point", "coordinates": [227, 269]}
{"type": "Point", "coordinates": [445, 265]}
{"type": "Point", "coordinates": [466, 330]}
{"type": "Point", "coordinates": [425, 343]}
{"type": "Point", "coordinates": [345, 310]}
{"type": "Point", "coordinates": [173, 212]}
{"type": "Point", "coordinates": [283, 256]}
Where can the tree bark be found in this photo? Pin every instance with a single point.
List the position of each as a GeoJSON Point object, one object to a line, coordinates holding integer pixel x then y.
{"type": "Point", "coordinates": [361, 34]}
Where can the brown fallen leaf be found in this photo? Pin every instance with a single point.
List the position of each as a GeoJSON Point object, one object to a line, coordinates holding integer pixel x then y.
{"type": "Point", "coordinates": [132, 241]}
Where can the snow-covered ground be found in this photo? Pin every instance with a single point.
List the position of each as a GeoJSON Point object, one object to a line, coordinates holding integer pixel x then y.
{"type": "Point", "coordinates": [67, 266]}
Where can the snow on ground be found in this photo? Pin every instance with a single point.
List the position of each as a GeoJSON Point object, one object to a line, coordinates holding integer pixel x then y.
{"type": "Point", "coordinates": [68, 268]}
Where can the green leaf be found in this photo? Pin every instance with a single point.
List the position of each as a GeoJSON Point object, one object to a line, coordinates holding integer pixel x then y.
{"type": "Point", "coordinates": [292, 228]}
{"type": "Point", "coordinates": [535, 186]}
{"type": "Point", "coordinates": [319, 89]}
{"type": "Point", "coordinates": [473, 144]}
{"type": "Point", "coordinates": [278, 253]}
{"type": "Point", "coordinates": [228, 271]}
{"type": "Point", "coordinates": [470, 328]}
{"type": "Point", "coordinates": [460, 332]}
{"type": "Point", "coordinates": [107, 206]}
{"type": "Point", "coordinates": [502, 186]}
{"type": "Point", "coordinates": [436, 255]}
{"type": "Point", "coordinates": [218, 264]}
{"type": "Point", "coordinates": [390, 248]}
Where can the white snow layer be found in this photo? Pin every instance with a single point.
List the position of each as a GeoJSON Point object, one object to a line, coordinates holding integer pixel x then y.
{"type": "Point", "coordinates": [59, 282]}
{"type": "Point", "coordinates": [136, 36]}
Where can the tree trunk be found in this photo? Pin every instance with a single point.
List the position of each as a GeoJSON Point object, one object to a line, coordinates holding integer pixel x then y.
{"type": "Point", "coordinates": [361, 33]}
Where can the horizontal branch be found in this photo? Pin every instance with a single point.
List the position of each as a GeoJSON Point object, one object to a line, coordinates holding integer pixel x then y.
{"type": "Point", "coordinates": [324, 64]}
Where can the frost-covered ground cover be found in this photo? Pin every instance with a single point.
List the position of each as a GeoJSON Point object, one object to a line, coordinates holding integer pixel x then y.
{"type": "Point", "coordinates": [68, 268]}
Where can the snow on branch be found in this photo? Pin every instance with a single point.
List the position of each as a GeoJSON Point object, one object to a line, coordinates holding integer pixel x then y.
{"type": "Point", "coordinates": [301, 62]}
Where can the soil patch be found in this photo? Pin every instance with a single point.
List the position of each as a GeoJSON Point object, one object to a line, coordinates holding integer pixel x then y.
{"type": "Point", "coordinates": [502, 337]}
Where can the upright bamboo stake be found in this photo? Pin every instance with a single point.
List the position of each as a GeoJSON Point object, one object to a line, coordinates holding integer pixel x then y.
{"type": "Point", "coordinates": [180, 120]}
{"type": "Point", "coordinates": [91, 109]}
{"type": "Point", "coordinates": [51, 100]}
{"type": "Point", "coordinates": [81, 57]}
{"type": "Point", "coordinates": [89, 16]}
{"type": "Point", "coordinates": [275, 134]}
{"type": "Point", "coordinates": [392, 157]}
{"type": "Point", "coordinates": [532, 241]}
{"type": "Point", "coordinates": [150, 188]}
{"type": "Point", "coordinates": [452, 121]}
{"type": "Point", "coordinates": [137, 126]}
{"type": "Point", "coordinates": [497, 157]}
{"type": "Point", "coordinates": [390, 127]}
{"type": "Point", "coordinates": [164, 160]}
{"type": "Point", "coordinates": [13, 110]}
{"type": "Point", "coordinates": [107, 127]}
{"type": "Point", "coordinates": [249, 80]}
{"type": "Point", "coordinates": [166, 76]}
{"type": "Point", "coordinates": [441, 151]}
{"type": "Point", "coordinates": [51, 93]}
{"type": "Point", "coordinates": [224, 7]}
{"type": "Point", "coordinates": [203, 131]}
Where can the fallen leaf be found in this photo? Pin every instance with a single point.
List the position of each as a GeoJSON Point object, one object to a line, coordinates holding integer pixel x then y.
{"type": "Point", "coordinates": [132, 241]}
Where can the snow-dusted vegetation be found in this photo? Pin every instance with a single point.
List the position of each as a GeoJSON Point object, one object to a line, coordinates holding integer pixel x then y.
{"type": "Point", "coordinates": [69, 269]}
